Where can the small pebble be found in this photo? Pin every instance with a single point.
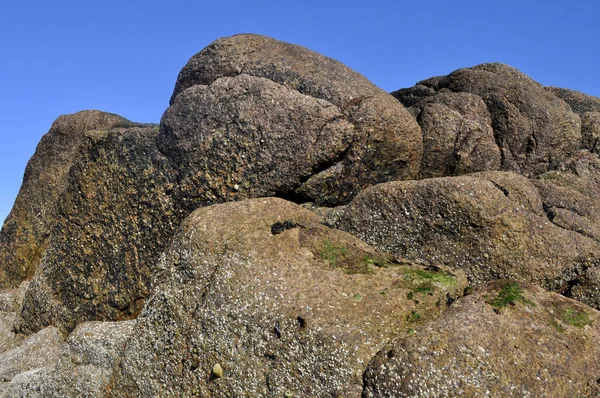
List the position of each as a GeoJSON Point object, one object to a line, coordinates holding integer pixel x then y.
{"type": "Point", "coordinates": [217, 371]}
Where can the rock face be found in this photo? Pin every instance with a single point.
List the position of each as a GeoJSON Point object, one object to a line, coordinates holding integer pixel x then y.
{"type": "Point", "coordinates": [25, 233]}
{"type": "Point", "coordinates": [534, 129]}
{"type": "Point", "coordinates": [508, 339]}
{"type": "Point", "coordinates": [282, 303]}
{"type": "Point", "coordinates": [281, 106]}
{"type": "Point", "coordinates": [492, 225]}
{"type": "Point", "coordinates": [113, 220]}
{"type": "Point", "coordinates": [457, 135]}
{"type": "Point", "coordinates": [37, 351]}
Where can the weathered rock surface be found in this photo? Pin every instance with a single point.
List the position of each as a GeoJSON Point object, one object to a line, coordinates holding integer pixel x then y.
{"type": "Point", "coordinates": [590, 132]}
{"type": "Point", "coordinates": [120, 193]}
{"type": "Point", "coordinates": [84, 368]}
{"type": "Point", "coordinates": [37, 351]}
{"type": "Point", "coordinates": [457, 135]}
{"type": "Point", "coordinates": [282, 303]}
{"type": "Point", "coordinates": [579, 102]}
{"type": "Point", "coordinates": [534, 129]}
{"type": "Point", "coordinates": [571, 199]}
{"type": "Point", "coordinates": [112, 222]}
{"type": "Point", "coordinates": [508, 339]}
{"type": "Point", "coordinates": [24, 235]}
{"type": "Point", "coordinates": [308, 97]}
{"type": "Point", "coordinates": [492, 225]}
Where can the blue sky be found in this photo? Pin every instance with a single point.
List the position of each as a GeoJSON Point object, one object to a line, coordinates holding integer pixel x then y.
{"type": "Point", "coordinates": [60, 57]}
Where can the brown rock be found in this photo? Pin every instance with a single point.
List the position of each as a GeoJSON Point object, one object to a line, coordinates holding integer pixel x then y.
{"type": "Point", "coordinates": [457, 135]}
{"type": "Point", "coordinates": [590, 131]}
{"type": "Point", "coordinates": [381, 141]}
{"type": "Point", "coordinates": [579, 102]}
{"type": "Point", "coordinates": [280, 301]}
{"type": "Point", "coordinates": [37, 351]}
{"type": "Point", "coordinates": [492, 225]}
{"type": "Point", "coordinates": [112, 222]}
{"type": "Point", "coordinates": [508, 339]}
{"type": "Point", "coordinates": [84, 368]}
{"type": "Point", "coordinates": [534, 129]}
{"type": "Point", "coordinates": [25, 232]}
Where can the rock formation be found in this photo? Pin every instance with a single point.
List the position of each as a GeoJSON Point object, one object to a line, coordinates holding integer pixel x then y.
{"type": "Point", "coordinates": [291, 230]}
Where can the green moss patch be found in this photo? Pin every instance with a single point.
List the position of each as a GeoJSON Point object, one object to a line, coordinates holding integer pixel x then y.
{"type": "Point", "coordinates": [511, 294]}
{"type": "Point", "coordinates": [333, 254]}
{"type": "Point", "coordinates": [575, 317]}
{"type": "Point", "coordinates": [425, 281]}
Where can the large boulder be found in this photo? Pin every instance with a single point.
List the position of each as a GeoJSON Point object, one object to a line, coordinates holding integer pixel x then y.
{"type": "Point", "coordinates": [457, 135]}
{"type": "Point", "coordinates": [492, 225]}
{"type": "Point", "coordinates": [284, 305]}
{"type": "Point", "coordinates": [507, 339]}
{"type": "Point", "coordinates": [252, 115]}
{"type": "Point", "coordinates": [112, 221]}
{"type": "Point", "coordinates": [534, 129]}
{"type": "Point", "coordinates": [24, 235]}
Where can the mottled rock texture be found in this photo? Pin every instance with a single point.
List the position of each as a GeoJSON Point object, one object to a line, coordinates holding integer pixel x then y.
{"type": "Point", "coordinates": [26, 230]}
{"type": "Point", "coordinates": [492, 225]}
{"type": "Point", "coordinates": [295, 124]}
{"type": "Point", "coordinates": [284, 304]}
{"type": "Point", "coordinates": [281, 106]}
{"type": "Point", "coordinates": [112, 221]}
{"type": "Point", "coordinates": [579, 102]}
{"type": "Point", "coordinates": [262, 297]}
{"type": "Point", "coordinates": [534, 129]}
{"type": "Point", "coordinates": [457, 135]}
{"type": "Point", "coordinates": [507, 339]}
{"type": "Point", "coordinates": [37, 351]}
{"type": "Point", "coordinates": [84, 367]}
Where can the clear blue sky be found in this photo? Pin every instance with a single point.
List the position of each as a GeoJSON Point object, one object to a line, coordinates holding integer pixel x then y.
{"type": "Point", "coordinates": [60, 57]}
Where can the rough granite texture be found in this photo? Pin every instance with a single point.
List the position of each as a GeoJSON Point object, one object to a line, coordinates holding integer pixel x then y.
{"type": "Point", "coordinates": [491, 225]}
{"type": "Point", "coordinates": [262, 297]}
{"type": "Point", "coordinates": [377, 141]}
{"type": "Point", "coordinates": [113, 220]}
{"type": "Point", "coordinates": [24, 235]}
{"type": "Point", "coordinates": [457, 135]}
{"type": "Point", "coordinates": [284, 304]}
{"type": "Point", "coordinates": [37, 351]}
{"type": "Point", "coordinates": [534, 129]}
{"type": "Point", "coordinates": [84, 368]}
{"type": "Point", "coordinates": [579, 102]}
{"type": "Point", "coordinates": [507, 339]}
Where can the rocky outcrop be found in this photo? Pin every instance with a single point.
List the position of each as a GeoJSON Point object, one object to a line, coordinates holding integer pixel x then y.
{"type": "Point", "coordinates": [492, 225]}
{"type": "Point", "coordinates": [590, 132]}
{"type": "Point", "coordinates": [457, 135]}
{"type": "Point", "coordinates": [26, 230]}
{"type": "Point", "coordinates": [507, 339]}
{"type": "Point", "coordinates": [288, 132]}
{"type": "Point", "coordinates": [284, 305]}
{"type": "Point", "coordinates": [534, 129]}
{"type": "Point", "coordinates": [293, 123]}
{"type": "Point", "coordinates": [119, 221]}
